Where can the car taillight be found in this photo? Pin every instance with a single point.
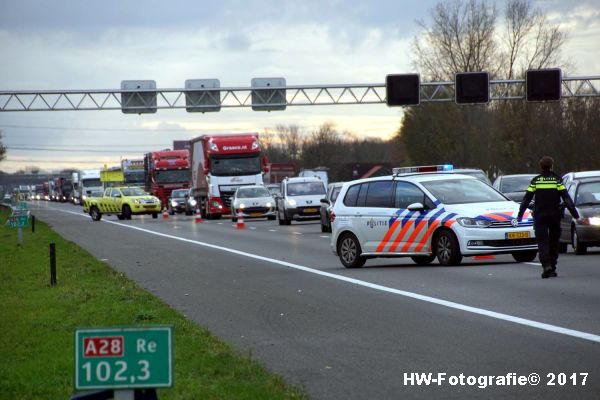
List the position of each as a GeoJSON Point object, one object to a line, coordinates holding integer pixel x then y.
{"type": "Point", "coordinates": [332, 217]}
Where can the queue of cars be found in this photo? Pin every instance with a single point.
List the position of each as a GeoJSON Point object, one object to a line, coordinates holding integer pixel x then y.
{"type": "Point", "coordinates": [419, 212]}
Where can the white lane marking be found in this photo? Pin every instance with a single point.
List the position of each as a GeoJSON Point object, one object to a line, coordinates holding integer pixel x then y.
{"type": "Point", "coordinates": [450, 304]}
{"type": "Point", "coordinates": [532, 263]}
{"type": "Point", "coordinates": [272, 230]}
{"type": "Point", "coordinates": [252, 227]}
{"type": "Point", "coordinates": [219, 223]}
{"type": "Point", "coordinates": [297, 233]}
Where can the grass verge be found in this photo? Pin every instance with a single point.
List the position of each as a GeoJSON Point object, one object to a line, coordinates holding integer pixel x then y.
{"type": "Point", "coordinates": [37, 323]}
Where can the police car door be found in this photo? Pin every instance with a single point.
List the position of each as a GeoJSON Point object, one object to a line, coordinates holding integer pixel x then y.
{"type": "Point", "coordinates": [409, 229]}
{"type": "Point", "coordinates": [105, 202]}
{"type": "Point", "coordinates": [376, 213]}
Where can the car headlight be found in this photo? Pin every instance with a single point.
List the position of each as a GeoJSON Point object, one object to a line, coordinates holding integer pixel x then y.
{"type": "Point", "coordinates": [473, 222]}
{"type": "Point", "coordinates": [84, 197]}
{"type": "Point", "coordinates": [173, 203]}
{"type": "Point", "coordinates": [193, 202]}
{"type": "Point", "coordinates": [591, 221]}
{"type": "Point", "coordinates": [242, 206]}
{"type": "Point", "coordinates": [269, 205]}
{"type": "Point", "coordinates": [291, 202]}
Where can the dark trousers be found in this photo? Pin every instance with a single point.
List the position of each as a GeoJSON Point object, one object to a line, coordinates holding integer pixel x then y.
{"type": "Point", "coordinates": [547, 233]}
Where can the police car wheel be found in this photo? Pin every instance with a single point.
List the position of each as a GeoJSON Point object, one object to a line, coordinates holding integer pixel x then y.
{"type": "Point", "coordinates": [423, 260]}
{"type": "Point", "coordinates": [120, 217]}
{"type": "Point", "coordinates": [95, 214]}
{"type": "Point", "coordinates": [154, 215]}
{"type": "Point", "coordinates": [579, 247]}
{"type": "Point", "coordinates": [447, 249]}
{"type": "Point", "coordinates": [349, 251]}
{"type": "Point", "coordinates": [126, 212]}
{"type": "Point", "coordinates": [525, 256]}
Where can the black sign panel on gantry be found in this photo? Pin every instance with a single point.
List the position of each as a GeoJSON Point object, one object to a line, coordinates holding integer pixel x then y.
{"type": "Point", "coordinates": [402, 89]}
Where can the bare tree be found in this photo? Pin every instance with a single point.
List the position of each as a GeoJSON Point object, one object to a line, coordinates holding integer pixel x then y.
{"type": "Point", "coordinates": [460, 38]}
{"type": "Point", "coordinates": [531, 41]}
{"type": "Point", "coordinates": [290, 139]}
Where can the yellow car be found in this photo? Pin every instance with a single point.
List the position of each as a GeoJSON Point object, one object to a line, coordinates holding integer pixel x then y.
{"type": "Point", "coordinates": [123, 202]}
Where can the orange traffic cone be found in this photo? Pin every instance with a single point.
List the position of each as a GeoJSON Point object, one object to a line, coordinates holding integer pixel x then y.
{"type": "Point", "coordinates": [198, 218]}
{"type": "Point", "coordinates": [240, 222]}
{"type": "Point", "coordinates": [165, 214]}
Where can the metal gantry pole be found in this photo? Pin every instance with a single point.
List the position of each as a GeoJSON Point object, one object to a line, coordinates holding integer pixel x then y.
{"type": "Point", "coordinates": [241, 97]}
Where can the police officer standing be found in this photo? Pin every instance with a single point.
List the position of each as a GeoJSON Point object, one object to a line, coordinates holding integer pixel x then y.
{"type": "Point", "coordinates": [548, 189]}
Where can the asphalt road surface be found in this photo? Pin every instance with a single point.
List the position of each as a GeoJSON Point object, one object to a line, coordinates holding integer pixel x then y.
{"type": "Point", "coordinates": [279, 293]}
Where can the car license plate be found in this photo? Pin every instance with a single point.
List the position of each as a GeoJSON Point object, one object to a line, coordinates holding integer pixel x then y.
{"type": "Point", "coordinates": [255, 214]}
{"type": "Point", "coordinates": [310, 210]}
{"type": "Point", "coordinates": [518, 235]}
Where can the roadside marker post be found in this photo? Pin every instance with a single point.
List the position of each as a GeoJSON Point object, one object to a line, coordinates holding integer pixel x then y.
{"type": "Point", "coordinates": [124, 359]}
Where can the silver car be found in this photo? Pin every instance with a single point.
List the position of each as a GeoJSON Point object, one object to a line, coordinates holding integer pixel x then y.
{"type": "Point", "coordinates": [252, 202]}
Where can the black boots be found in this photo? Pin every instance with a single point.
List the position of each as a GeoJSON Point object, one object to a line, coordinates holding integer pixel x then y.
{"type": "Point", "coordinates": [549, 271]}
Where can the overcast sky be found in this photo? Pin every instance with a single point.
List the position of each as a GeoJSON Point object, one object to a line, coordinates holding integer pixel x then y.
{"type": "Point", "coordinates": [77, 44]}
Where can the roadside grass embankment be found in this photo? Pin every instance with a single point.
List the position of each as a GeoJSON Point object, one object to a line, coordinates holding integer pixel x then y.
{"type": "Point", "coordinates": [37, 323]}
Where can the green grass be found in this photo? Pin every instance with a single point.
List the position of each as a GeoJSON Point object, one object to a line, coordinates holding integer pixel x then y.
{"type": "Point", "coordinates": [37, 323]}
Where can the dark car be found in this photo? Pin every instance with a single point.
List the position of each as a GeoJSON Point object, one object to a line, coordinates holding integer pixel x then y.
{"type": "Point", "coordinates": [333, 189]}
{"type": "Point", "coordinates": [474, 172]}
{"type": "Point", "coordinates": [513, 186]}
{"type": "Point", "coordinates": [585, 231]}
{"type": "Point", "coordinates": [179, 202]}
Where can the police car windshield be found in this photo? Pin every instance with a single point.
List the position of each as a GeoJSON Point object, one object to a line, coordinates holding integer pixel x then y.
{"type": "Point", "coordinates": [248, 193]}
{"type": "Point", "coordinates": [462, 191]}
{"type": "Point", "coordinates": [305, 188]}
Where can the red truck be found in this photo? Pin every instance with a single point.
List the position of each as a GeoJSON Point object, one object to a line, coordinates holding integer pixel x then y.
{"type": "Point", "coordinates": [165, 171]}
{"type": "Point", "coordinates": [221, 164]}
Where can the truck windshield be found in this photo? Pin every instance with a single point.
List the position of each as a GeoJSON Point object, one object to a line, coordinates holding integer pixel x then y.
{"type": "Point", "coordinates": [135, 176]}
{"type": "Point", "coordinates": [92, 182]}
{"type": "Point", "coordinates": [462, 191]}
{"type": "Point", "coordinates": [173, 176]}
{"type": "Point", "coordinates": [235, 166]}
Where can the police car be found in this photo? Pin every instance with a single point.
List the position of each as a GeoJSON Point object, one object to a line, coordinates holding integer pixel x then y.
{"type": "Point", "coordinates": [424, 213]}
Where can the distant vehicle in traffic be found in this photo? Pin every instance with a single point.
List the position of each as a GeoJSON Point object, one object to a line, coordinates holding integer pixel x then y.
{"type": "Point", "coordinates": [252, 202]}
{"type": "Point", "coordinates": [300, 199]}
{"type": "Point", "coordinates": [427, 215]}
{"type": "Point", "coordinates": [474, 172]}
{"type": "Point", "coordinates": [584, 232]}
{"type": "Point", "coordinates": [570, 176]}
{"type": "Point", "coordinates": [333, 190]}
{"type": "Point", "coordinates": [513, 186]}
{"type": "Point", "coordinates": [123, 202]}
{"type": "Point", "coordinates": [179, 203]}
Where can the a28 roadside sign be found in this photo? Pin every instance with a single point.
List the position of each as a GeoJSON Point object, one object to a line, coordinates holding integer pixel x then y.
{"type": "Point", "coordinates": [121, 358]}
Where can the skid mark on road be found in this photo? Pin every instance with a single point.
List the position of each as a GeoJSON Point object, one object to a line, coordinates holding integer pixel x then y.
{"type": "Point", "coordinates": [450, 304]}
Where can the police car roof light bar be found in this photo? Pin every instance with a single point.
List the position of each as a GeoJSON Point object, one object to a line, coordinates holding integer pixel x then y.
{"type": "Point", "coordinates": [422, 168]}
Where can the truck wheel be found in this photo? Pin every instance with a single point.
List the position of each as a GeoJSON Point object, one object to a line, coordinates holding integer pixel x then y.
{"type": "Point", "coordinates": [447, 249]}
{"type": "Point", "coordinates": [126, 212]}
{"type": "Point", "coordinates": [95, 214]}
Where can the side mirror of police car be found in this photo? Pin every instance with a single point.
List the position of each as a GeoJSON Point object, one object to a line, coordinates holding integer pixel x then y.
{"type": "Point", "coordinates": [416, 207]}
